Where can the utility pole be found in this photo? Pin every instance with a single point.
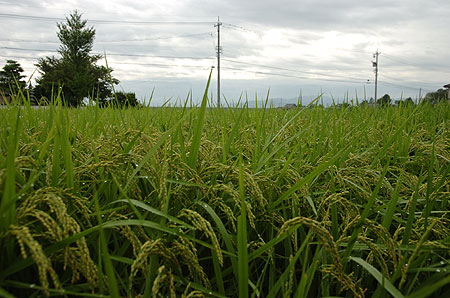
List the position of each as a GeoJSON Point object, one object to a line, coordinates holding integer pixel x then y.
{"type": "Point", "coordinates": [375, 64]}
{"type": "Point", "coordinates": [219, 51]}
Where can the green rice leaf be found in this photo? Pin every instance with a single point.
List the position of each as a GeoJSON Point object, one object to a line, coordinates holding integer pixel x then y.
{"type": "Point", "coordinates": [146, 207]}
{"type": "Point", "coordinates": [198, 129]}
{"type": "Point", "coordinates": [5, 294]}
{"type": "Point", "coordinates": [242, 239]}
{"type": "Point", "coordinates": [427, 290]}
{"type": "Point", "coordinates": [383, 281]}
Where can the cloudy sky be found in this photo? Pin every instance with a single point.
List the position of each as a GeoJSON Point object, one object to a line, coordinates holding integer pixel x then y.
{"type": "Point", "coordinates": [305, 47]}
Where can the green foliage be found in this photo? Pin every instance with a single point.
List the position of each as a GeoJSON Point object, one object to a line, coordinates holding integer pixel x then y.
{"type": "Point", "coordinates": [11, 78]}
{"type": "Point", "coordinates": [405, 102]}
{"type": "Point", "coordinates": [437, 96]}
{"type": "Point", "coordinates": [75, 73]}
{"type": "Point", "coordinates": [385, 100]}
{"type": "Point", "coordinates": [121, 99]}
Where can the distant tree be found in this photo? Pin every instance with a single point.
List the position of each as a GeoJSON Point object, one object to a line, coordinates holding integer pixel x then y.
{"type": "Point", "coordinates": [438, 95]}
{"type": "Point", "coordinates": [385, 100]}
{"type": "Point", "coordinates": [75, 73]}
{"type": "Point", "coordinates": [406, 102]}
{"type": "Point", "coordinates": [127, 99]}
{"type": "Point", "coordinates": [343, 105]}
{"type": "Point", "coordinates": [11, 77]}
{"type": "Point", "coordinates": [122, 99]}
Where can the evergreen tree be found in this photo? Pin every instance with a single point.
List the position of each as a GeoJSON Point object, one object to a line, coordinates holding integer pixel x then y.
{"type": "Point", "coordinates": [76, 72]}
{"type": "Point", "coordinates": [11, 77]}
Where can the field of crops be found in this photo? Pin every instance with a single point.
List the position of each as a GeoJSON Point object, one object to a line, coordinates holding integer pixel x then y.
{"type": "Point", "coordinates": [236, 202]}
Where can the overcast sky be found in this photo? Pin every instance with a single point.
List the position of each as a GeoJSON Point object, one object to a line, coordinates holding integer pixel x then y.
{"type": "Point", "coordinates": [303, 47]}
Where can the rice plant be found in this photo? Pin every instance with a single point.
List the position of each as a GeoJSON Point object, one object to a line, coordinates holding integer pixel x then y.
{"type": "Point", "coordinates": [236, 202]}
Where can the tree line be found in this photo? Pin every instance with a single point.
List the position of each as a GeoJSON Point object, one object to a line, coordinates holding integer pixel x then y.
{"type": "Point", "coordinates": [74, 75]}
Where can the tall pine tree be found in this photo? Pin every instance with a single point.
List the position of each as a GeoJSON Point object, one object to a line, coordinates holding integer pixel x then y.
{"type": "Point", "coordinates": [11, 77]}
{"type": "Point", "coordinates": [76, 72]}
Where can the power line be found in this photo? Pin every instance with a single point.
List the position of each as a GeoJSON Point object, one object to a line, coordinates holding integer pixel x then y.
{"type": "Point", "coordinates": [291, 70]}
{"type": "Point", "coordinates": [25, 49]}
{"type": "Point", "coordinates": [111, 41]}
{"type": "Point", "coordinates": [29, 40]}
{"type": "Point", "coordinates": [154, 56]}
{"type": "Point", "coordinates": [27, 17]}
{"type": "Point", "coordinates": [400, 60]}
{"type": "Point", "coordinates": [18, 57]}
{"type": "Point", "coordinates": [213, 41]}
{"type": "Point", "coordinates": [98, 21]}
{"type": "Point", "coordinates": [111, 54]}
{"type": "Point", "coordinates": [352, 51]}
{"type": "Point", "coordinates": [240, 28]}
{"type": "Point", "coordinates": [396, 79]}
{"type": "Point", "coordinates": [401, 86]}
{"type": "Point", "coordinates": [405, 62]}
{"type": "Point", "coordinates": [126, 63]}
{"type": "Point", "coordinates": [150, 22]}
{"type": "Point", "coordinates": [292, 76]}
{"type": "Point", "coordinates": [162, 65]}
{"type": "Point", "coordinates": [155, 38]}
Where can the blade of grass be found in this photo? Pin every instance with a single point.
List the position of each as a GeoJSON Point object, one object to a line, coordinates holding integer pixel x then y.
{"type": "Point", "coordinates": [428, 203]}
{"type": "Point", "coordinates": [20, 265]}
{"type": "Point", "coordinates": [427, 290]}
{"type": "Point", "coordinates": [310, 177]}
{"type": "Point", "coordinates": [66, 148]}
{"type": "Point", "coordinates": [392, 138]}
{"type": "Point", "coordinates": [242, 238]}
{"type": "Point", "coordinates": [155, 211]}
{"type": "Point", "coordinates": [308, 276]}
{"type": "Point", "coordinates": [198, 129]}
{"type": "Point", "coordinates": [231, 136]}
{"type": "Point", "coordinates": [286, 125]}
{"type": "Point", "coordinates": [5, 294]}
{"type": "Point", "coordinates": [387, 218]}
{"type": "Point", "coordinates": [8, 205]}
{"type": "Point", "coordinates": [200, 288]}
{"type": "Point", "coordinates": [225, 235]}
{"type": "Point", "coordinates": [152, 150]}
{"type": "Point", "coordinates": [387, 285]}
{"type": "Point", "coordinates": [364, 215]}
{"type": "Point", "coordinates": [412, 211]}
{"type": "Point", "coordinates": [274, 290]}
{"type": "Point", "coordinates": [109, 268]}
{"type": "Point", "coordinates": [55, 292]}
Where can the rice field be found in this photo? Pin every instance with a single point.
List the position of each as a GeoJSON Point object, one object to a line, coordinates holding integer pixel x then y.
{"type": "Point", "coordinates": [237, 202]}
